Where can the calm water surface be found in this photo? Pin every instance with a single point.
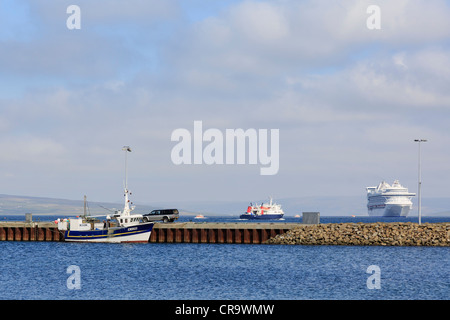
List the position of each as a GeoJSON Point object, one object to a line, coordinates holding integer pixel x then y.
{"type": "Point", "coordinates": [38, 270]}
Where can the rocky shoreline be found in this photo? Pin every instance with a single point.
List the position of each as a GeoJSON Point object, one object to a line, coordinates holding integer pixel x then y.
{"type": "Point", "coordinates": [367, 234]}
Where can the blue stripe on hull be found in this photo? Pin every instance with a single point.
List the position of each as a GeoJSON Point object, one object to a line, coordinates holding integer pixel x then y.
{"type": "Point", "coordinates": [103, 234]}
{"type": "Point", "coordinates": [261, 217]}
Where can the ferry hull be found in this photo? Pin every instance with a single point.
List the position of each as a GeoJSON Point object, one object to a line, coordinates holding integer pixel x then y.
{"type": "Point", "coordinates": [261, 217]}
{"type": "Point", "coordinates": [136, 234]}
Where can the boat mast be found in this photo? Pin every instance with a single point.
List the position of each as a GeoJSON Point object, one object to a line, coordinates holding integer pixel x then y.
{"type": "Point", "coordinates": [126, 209]}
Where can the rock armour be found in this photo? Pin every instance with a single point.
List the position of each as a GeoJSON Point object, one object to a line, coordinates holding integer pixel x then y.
{"type": "Point", "coordinates": [367, 234]}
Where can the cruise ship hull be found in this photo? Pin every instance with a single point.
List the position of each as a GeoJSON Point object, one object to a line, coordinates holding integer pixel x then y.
{"type": "Point", "coordinates": [394, 210]}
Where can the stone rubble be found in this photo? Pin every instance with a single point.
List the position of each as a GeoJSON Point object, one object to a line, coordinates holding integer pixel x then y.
{"type": "Point", "coordinates": [367, 234]}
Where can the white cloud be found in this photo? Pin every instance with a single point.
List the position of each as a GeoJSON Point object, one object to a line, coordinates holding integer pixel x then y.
{"type": "Point", "coordinates": [404, 81]}
{"type": "Point", "coordinates": [335, 89]}
{"type": "Point", "coordinates": [106, 12]}
{"type": "Point", "coordinates": [31, 149]}
{"type": "Point", "coordinates": [294, 30]}
{"type": "Point", "coordinates": [264, 22]}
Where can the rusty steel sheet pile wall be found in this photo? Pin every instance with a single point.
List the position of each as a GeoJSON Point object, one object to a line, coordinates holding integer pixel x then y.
{"type": "Point", "coordinates": [246, 233]}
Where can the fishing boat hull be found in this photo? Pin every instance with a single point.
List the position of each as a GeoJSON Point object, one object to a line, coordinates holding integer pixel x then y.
{"type": "Point", "coordinates": [246, 216]}
{"type": "Point", "coordinates": [133, 234]}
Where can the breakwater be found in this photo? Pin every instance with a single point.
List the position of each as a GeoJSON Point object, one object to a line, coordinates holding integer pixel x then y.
{"type": "Point", "coordinates": [367, 234]}
{"type": "Point", "coordinates": [187, 232]}
{"type": "Point", "coordinates": [360, 234]}
{"type": "Point", "coordinates": [29, 231]}
{"type": "Point", "coordinates": [210, 232]}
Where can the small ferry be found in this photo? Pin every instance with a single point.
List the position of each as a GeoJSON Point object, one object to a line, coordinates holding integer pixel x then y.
{"type": "Point", "coordinates": [265, 211]}
{"type": "Point", "coordinates": [122, 226]}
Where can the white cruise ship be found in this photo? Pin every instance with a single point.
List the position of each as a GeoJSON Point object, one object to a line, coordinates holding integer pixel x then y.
{"type": "Point", "coordinates": [389, 201]}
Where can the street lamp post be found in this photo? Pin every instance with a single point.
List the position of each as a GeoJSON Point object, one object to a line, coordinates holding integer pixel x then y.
{"type": "Point", "coordinates": [420, 182]}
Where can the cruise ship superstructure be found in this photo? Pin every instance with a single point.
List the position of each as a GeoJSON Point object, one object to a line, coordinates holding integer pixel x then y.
{"type": "Point", "coordinates": [389, 201]}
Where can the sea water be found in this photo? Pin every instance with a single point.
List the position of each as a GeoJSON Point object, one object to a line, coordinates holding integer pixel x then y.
{"type": "Point", "coordinates": [152, 271]}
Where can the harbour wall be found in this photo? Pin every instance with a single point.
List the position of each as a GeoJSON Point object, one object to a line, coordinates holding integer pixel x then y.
{"type": "Point", "coordinates": [362, 234]}
{"type": "Point", "coordinates": [367, 234]}
{"type": "Point", "coordinates": [29, 231]}
{"type": "Point", "coordinates": [188, 232]}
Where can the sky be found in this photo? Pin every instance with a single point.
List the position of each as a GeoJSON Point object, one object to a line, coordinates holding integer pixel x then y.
{"type": "Point", "coordinates": [348, 100]}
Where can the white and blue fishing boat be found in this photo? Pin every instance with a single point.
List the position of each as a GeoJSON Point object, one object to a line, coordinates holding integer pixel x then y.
{"type": "Point", "coordinates": [122, 226]}
{"type": "Point", "coordinates": [266, 211]}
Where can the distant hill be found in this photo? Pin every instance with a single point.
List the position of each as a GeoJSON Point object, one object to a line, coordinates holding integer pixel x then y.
{"type": "Point", "coordinates": [327, 206]}
{"type": "Point", "coordinates": [18, 205]}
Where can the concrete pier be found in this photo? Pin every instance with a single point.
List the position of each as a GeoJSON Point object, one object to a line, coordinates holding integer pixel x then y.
{"type": "Point", "coordinates": [190, 232]}
{"type": "Point", "coordinates": [186, 232]}
{"type": "Point", "coordinates": [29, 231]}
{"type": "Point", "coordinates": [382, 234]}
